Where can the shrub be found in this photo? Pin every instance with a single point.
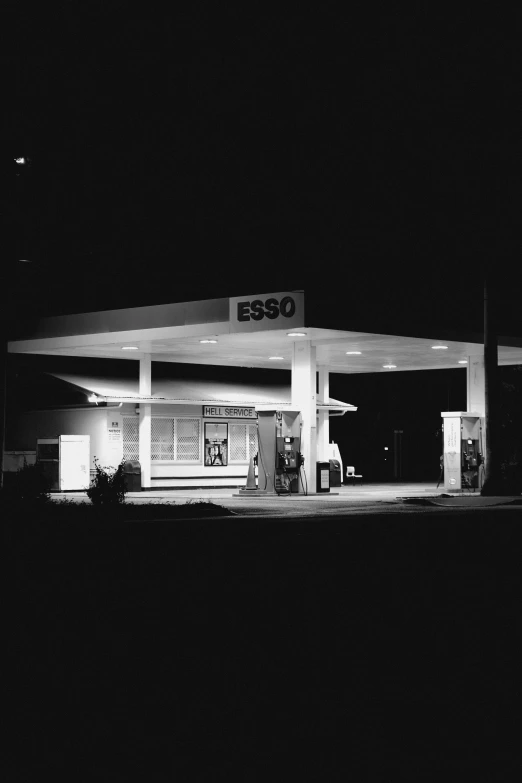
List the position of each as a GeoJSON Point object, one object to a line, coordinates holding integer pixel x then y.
{"type": "Point", "coordinates": [28, 485]}
{"type": "Point", "coordinates": [107, 487]}
{"type": "Point", "coordinates": [511, 476]}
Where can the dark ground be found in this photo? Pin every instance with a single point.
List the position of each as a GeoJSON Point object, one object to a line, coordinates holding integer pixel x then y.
{"type": "Point", "coordinates": [385, 646]}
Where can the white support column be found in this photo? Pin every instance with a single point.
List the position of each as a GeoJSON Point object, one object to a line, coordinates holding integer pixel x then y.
{"type": "Point", "coordinates": [323, 419]}
{"type": "Point", "coordinates": [304, 399]}
{"type": "Point", "coordinates": [145, 389]}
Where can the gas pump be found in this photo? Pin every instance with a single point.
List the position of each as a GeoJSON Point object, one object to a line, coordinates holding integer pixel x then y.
{"type": "Point", "coordinates": [279, 459]}
{"type": "Point", "coordinates": [463, 451]}
{"type": "Point", "coordinates": [288, 462]}
{"type": "Point", "coordinates": [471, 463]}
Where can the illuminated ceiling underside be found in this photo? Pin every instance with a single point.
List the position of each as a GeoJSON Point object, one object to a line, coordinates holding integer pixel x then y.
{"type": "Point", "coordinates": [256, 349]}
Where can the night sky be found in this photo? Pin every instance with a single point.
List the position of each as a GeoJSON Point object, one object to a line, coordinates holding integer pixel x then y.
{"type": "Point", "coordinates": [200, 153]}
{"type": "Point", "coordinates": [204, 152]}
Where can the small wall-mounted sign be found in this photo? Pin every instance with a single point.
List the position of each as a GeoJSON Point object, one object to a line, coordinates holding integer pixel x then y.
{"type": "Point", "coordinates": [228, 412]}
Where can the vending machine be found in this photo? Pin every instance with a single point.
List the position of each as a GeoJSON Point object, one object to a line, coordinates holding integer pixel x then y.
{"type": "Point", "coordinates": [65, 461]}
{"type": "Point", "coordinates": [463, 461]}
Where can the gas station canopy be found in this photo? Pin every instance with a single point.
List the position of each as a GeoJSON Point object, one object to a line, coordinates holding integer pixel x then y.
{"type": "Point", "coordinates": [251, 331]}
{"type": "Point", "coordinates": [265, 331]}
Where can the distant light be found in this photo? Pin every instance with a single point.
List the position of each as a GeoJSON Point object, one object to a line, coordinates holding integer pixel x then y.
{"type": "Point", "coordinates": [93, 398]}
{"type": "Point", "coordinates": [296, 334]}
{"type": "Point", "coordinates": [208, 341]}
{"type": "Point", "coordinates": [25, 260]}
{"type": "Point", "coordinates": [386, 448]}
{"type": "Point", "coordinates": [354, 353]}
{"type": "Point", "coordinates": [276, 358]}
{"type": "Point", "coordinates": [129, 348]}
{"type": "Point", "coordinates": [463, 361]}
{"type": "Point", "coordinates": [439, 347]}
{"type": "Point", "coordinates": [21, 161]}
{"type": "Point", "coordinates": [390, 366]}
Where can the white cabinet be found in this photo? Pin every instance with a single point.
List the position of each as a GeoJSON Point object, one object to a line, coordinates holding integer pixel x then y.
{"type": "Point", "coordinates": [66, 461]}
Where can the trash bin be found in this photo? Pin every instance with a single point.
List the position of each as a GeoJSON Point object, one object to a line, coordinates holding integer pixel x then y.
{"type": "Point", "coordinates": [132, 476]}
{"type": "Point", "coordinates": [335, 473]}
{"type": "Point", "coordinates": [323, 477]}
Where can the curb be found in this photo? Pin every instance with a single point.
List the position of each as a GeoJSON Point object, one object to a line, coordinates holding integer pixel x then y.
{"type": "Point", "coordinates": [467, 501]}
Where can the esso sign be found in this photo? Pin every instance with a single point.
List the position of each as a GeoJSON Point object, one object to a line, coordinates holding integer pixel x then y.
{"type": "Point", "coordinates": [270, 308]}
{"type": "Point", "coordinates": [259, 312]}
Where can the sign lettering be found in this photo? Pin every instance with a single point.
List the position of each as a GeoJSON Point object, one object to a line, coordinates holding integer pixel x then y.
{"type": "Point", "coordinates": [267, 311]}
{"type": "Point", "coordinates": [270, 308]}
{"type": "Point", "coordinates": [227, 412]}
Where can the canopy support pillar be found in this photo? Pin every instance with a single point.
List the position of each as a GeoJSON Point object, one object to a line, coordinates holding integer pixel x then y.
{"type": "Point", "coordinates": [145, 390]}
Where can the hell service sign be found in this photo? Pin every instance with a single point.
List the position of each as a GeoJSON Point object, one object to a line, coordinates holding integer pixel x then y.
{"type": "Point", "coordinates": [228, 412]}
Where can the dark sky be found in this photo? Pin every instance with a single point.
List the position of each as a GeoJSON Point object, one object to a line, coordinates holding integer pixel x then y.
{"type": "Point", "coordinates": [199, 153]}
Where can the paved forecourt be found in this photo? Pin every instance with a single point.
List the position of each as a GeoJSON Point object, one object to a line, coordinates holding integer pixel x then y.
{"type": "Point", "coordinates": [392, 497]}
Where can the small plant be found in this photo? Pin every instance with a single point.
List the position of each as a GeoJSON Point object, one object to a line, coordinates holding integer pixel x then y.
{"type": "Point", "coordinates": [28, 485]}
{"type": "Point", "coordinates": [107, 487]}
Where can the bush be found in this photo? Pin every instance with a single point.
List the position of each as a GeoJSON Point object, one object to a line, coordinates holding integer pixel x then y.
{"type": "Point", "coordinates": [511, 476]}
{"type": "Point", "coordinates": [107, 488]}
{"type": "Point", "coordinates": [28, 485]}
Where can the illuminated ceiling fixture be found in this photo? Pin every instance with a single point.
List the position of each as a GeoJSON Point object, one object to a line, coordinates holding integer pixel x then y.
{"type": "Point", "coordinates": [208, 341]}
{"type": "Point", "coordinates": [129, 348]}
{"type": "Point", "coordinates": [276, 358]}
{"type": "Point", "coordinates": [296, 334]}
{"type": "Point", "coordinates": [354, 353]}
{"type": "Point", "coordinates": [389, 366]}
{"type": "Point", "coordinates": [439, 347]}
{"type": "Point", "coordinates": [463, 361]}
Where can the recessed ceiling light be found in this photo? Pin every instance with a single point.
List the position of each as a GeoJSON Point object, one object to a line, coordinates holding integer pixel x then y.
{"type": "Point", "coordinates": [276, 358]}
{"type": "Point", "coordinates": [463, 361]}
{"type": "Point", "coordinates": [439, 347]}
{"type": "Point", "coordinates": [208, 341]}
{"type": "Point", "coordinates": [129, 348]}
{"type": "Point", "coordinates": [296, 334]}
{"type": "Point", "coordinates": [390, 366]}
{"type": "Point", "coordinates": [349, 353]}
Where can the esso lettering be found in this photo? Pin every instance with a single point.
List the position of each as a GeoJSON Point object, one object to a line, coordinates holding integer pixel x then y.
{"type": "Point", "coordinates": [256, 310]}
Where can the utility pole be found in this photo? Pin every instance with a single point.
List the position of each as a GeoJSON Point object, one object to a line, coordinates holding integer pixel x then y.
{"type": "Point", "coordinates": [10, 302]}
{"type": "Point", "coordinates": [491, 484]}
{"type": "Point", "coordinates": [3, 393]}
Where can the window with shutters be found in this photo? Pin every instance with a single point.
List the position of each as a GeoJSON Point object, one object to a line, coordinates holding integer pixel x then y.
{"type": "Point", "coordinates": [252, 440]}
{"type": "Point", "coordinates": [187, 440]}
{"type": "Point", "coordinates": [131, 438]}
{"type": "Point", "coordinates": [243, 442]}
{"type": "Point", "coordinates": [162, 439]}
{"type": "Point", "coordinates": [175, 440]}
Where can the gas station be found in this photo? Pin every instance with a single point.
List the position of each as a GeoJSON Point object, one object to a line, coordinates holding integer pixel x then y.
{"type": "Point", "coordinates": [208, 435]}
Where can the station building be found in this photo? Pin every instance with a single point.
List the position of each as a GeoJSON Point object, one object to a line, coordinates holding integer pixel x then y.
{"type": "Point", "coordinates": [188, 432]}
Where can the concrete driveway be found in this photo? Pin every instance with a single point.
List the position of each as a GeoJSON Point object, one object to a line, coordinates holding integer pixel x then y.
{"type": "Point", "coordinates": [368, 498]}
